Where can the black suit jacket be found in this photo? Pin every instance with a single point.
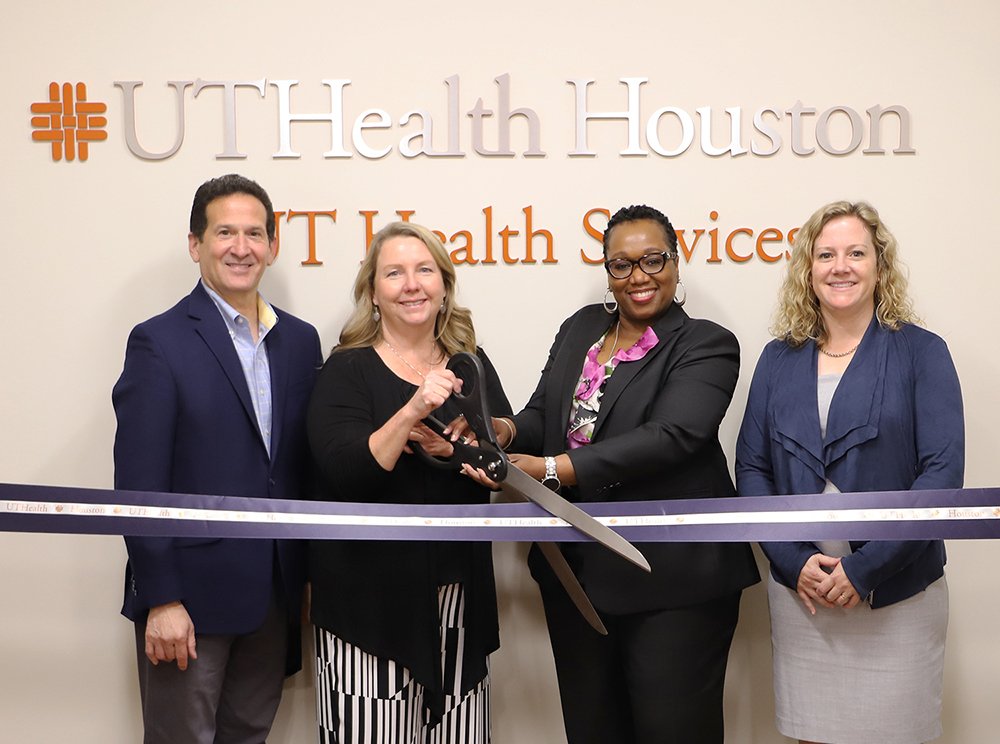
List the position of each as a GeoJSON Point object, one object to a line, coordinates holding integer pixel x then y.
{"type": "Point", "coordinates": [656, 437]}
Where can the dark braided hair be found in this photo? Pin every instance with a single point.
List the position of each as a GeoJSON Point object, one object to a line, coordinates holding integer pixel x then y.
{"type": "Point", "coordinates": [638, 212]}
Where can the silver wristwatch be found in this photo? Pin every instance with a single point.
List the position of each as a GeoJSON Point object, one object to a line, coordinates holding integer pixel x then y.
{"type": "Point", "coordinates": [551, 479]}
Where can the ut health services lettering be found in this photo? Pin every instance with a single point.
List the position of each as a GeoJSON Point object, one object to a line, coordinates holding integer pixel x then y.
{"type": "Point", "coordinates": [490, 239]}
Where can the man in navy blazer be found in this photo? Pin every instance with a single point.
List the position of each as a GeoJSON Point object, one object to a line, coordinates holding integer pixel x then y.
{"type": "Point", "coordinates": [212, 400]}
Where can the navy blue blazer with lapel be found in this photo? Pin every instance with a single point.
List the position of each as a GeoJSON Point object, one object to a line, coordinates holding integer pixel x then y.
{"type": "Point", "coordinates": [656, 437]}
{"type": "Point", "coordinates": [895, 423]}
{"type": "Point", "coordinates": [186, 424]}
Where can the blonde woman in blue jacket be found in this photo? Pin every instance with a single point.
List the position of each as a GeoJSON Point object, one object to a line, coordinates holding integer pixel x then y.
{"type": "Point", "coordinates": [852, 396]}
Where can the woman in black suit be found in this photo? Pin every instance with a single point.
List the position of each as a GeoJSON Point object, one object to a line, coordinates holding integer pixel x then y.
{"type": "Point", "coordinates": [628, 408]}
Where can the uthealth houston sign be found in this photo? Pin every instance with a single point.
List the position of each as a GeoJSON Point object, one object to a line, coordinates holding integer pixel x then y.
{"type": "Point", "coordinates": [486, 129]}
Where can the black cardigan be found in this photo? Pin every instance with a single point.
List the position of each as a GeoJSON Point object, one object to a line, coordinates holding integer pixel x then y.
{"type": "Point", "coordinates": [382, 595]}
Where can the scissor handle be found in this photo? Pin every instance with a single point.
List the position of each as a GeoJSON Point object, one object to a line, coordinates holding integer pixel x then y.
{"type": "Point", "coordinates": [472, 399]}
{"type": "Point", "coordinates": [492, 461]}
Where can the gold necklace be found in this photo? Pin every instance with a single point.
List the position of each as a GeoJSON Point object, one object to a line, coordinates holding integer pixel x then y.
{"type": "Point", "coordinates": [841, 354]}
{"type": "Point", "coordinates": [403, 360]}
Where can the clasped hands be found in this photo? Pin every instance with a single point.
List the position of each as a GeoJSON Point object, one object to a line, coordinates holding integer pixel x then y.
{"type": "Point", "coordinates": [823, 581]}
{"type": "Point", "coordinates": [436, 388]}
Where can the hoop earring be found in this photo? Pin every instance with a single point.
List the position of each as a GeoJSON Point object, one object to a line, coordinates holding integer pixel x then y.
{"type": "Point", "coordinates": [684, 295]}
{"type": "Point", "coordinates": [610, 307]}
{"type": "Point", "coordinates": [376, 315]}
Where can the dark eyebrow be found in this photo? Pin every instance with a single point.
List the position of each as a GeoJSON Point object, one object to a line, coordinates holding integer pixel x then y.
{"type": "Point", "coordinates": [231, 226]}
{"type": "Point", "coordinates": [647, 252]}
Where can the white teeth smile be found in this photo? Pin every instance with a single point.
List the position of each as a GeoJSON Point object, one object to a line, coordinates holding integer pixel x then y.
{"type": "Point", "coordinates": [644, 294]}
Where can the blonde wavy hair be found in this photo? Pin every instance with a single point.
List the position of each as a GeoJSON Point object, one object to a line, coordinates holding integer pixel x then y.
{"type": "Point", "coordinates": [798, 318]}
{"type": "Point", "coordinates": [453, 328]}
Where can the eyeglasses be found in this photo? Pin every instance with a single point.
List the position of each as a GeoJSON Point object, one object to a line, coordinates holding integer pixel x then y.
{"type": "Point", "coordinates": [651, 263]}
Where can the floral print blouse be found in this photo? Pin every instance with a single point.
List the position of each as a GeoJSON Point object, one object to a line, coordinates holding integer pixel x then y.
{"type": "Point", "coordinates": [590, 388]}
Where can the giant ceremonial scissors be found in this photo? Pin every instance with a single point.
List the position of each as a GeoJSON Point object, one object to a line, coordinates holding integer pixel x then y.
{"type": "Point", "coordinates": [487, 456]}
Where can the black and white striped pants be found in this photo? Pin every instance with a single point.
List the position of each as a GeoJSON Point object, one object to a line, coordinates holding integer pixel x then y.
{"type": "Point", "coordinates": [362, 699]}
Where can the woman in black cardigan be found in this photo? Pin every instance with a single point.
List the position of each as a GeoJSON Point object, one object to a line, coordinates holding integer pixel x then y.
{"type": "Point", "coordinates": [403, 629]}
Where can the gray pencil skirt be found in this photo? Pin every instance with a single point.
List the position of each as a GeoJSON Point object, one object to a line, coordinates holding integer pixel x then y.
{"type": "Point", "coordinates": [859, 675]}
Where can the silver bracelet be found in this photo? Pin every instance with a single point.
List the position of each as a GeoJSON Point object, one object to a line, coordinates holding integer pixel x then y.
{"type": "Point", "coordinates": [510, 428]}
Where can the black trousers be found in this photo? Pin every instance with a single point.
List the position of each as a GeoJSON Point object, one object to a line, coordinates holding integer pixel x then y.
{"type": "Point", "coordinates": [656, 678]}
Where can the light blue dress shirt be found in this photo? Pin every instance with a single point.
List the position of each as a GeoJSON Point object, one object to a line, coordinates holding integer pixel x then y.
{"type": "Point", "coordinates": [253, 356]}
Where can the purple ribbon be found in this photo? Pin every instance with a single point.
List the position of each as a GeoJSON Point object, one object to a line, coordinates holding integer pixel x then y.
{"type": "Point", "coordinates": [954, 514]}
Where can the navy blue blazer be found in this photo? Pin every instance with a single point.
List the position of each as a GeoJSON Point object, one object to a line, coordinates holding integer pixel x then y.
{"type": "Point", "coordinates": [186, 424]}
{"type": "Point", "coordinates": [895, 424]}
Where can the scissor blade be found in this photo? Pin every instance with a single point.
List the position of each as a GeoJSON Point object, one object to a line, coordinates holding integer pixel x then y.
{"type": "Point", "coordinates": [571, 584]}
{"type": "Point", "coordinates": [521, 483]}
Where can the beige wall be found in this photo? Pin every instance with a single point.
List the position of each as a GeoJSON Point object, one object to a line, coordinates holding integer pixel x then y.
{"type": "Point", "coordinates": [93, 248]}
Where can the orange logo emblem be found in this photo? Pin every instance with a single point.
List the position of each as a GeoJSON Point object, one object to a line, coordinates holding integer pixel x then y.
{"type": "Point", "coordinates": [70, 122]}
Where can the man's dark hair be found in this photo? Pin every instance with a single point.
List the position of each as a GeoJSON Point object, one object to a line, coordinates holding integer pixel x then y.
{"type": "Point", "coordinates": [225, 186]}
{"type": "Point", "coordinates": [638, 212]}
